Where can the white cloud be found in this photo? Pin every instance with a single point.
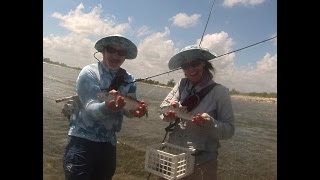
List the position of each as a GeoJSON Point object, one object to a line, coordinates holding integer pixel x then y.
{"type": "Point", "coordinates": [220, 43]}
{"type": "Point", "coordinates": [144, 30]}
{"type": "Point", "coordinates": [231, 3]}
{"type": "Point", "coordinates": [91, 23]}
{"type": "Point", "coordinates": [154, 51]}
{"type": "Point", "coordinates": [261, 77]}
{"type": "Point", "coordinates": [76, 49]}
{"type": "Point", "coordinates": [185, 21]}
{"type": "Point", "coordinates": [73, 49]}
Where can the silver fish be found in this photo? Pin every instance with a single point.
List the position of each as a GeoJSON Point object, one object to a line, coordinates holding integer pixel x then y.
{"type": "Point", "coordinates": [131, 103]}
{"type": "Point", "coordinates": [180, 111]}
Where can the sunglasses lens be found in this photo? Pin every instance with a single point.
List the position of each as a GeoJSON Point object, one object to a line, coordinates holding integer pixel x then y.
{"type": "Point", "coordinates": [122, 52]}
{"type": "Point", "coordinates": [111, 50]}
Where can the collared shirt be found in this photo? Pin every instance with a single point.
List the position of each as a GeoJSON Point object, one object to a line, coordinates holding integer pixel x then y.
{"type": "Point", "coordinates": [205, 139]}
{"type": "Point", "coordinates": [93, 120]}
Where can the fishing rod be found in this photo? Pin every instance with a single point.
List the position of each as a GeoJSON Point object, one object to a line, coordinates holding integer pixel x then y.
{"type": "Point", "coordinates": [171, 125]}
{"type": "Point", "coordinates": [167, 72]}
{"type": "Point", "coordinates": [206, 23]}
{"type": "Point", "coordinates": [142, 79]}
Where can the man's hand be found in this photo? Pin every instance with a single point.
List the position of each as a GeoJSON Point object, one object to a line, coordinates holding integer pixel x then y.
{"type": "Point", "coordinates": [141, 110]}
{"type": "Point", "coordinates": [202, 119]}
{"type": "Point", "coordinates": [116, 104]}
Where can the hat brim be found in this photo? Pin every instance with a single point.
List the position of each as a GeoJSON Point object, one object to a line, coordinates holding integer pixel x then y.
{"type": "Point", "coordinates": [192, 54]}
{"type": "Point", "coordinates": [130, 47]}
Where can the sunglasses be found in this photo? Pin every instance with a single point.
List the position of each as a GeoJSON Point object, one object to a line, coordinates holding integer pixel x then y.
{"type": "Point", "coordinates": [191, 64]}
{"type": "Point", "coordinates": [111, 50]}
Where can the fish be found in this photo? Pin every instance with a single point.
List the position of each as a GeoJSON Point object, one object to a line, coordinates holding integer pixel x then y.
{"type": "Point", "coordinates": [181, 112]}
{"type": "Point", "coordinates": [131, 103]}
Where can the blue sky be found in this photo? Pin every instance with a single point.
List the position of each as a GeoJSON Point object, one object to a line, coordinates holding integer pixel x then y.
{"type": "Point", "coordinates": [161, 28]}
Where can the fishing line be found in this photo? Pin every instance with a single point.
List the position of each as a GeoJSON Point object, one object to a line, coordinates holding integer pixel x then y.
{"type": "Point", "coordinates": [167, 72]}
{"type": "Point", "coordinates": [207, 22]}
{"type": "Point", "coordinates": [244, 47]}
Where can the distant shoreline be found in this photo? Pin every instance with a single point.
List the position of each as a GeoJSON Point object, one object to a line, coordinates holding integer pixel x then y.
{"type": "Point", "coordinates": [156, 85]}
{"type": "Point", "coordinates": [255, 98]}
{"type": "Point", "coordinates": [241, 97]}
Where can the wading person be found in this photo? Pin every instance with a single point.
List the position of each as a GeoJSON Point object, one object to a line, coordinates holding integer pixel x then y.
{"type": "Point", "coordinates": [210, 105]}
{"type": "Point", "coordinates": [90, 153]}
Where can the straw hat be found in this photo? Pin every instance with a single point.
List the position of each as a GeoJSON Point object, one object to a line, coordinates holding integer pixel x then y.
{"type": "Point", "coordinates": [191, 52]}
{"type": "Point", "coordinates": [131, 48]}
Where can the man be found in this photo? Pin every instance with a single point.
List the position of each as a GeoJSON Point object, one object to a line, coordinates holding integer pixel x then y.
{"type": "Point", "coordinates": [91, 150]}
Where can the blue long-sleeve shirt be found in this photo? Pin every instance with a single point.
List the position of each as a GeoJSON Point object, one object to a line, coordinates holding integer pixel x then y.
{"type": "Point", "coordinates": [93, 120]}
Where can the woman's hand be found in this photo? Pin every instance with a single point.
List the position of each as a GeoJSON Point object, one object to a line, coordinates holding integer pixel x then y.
{"type": "Point", "coordinates": [170, 116]}
{"type": "Point", "coordinates": [202, 119]}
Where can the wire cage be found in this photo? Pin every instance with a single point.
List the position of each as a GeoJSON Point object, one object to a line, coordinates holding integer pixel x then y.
{"type": "Point", "coordinates": [169, 161]}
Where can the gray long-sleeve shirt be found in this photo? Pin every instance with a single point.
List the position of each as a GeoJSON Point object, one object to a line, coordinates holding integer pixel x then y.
{"type": "Point", "coordinates": [217, 103]}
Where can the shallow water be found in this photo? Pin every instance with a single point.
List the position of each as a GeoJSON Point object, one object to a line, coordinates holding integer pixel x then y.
{"type": "Point", "coordinates": [250, 154]}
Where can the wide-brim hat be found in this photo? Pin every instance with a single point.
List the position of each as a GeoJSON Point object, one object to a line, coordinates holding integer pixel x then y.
{"type": "Point", "coordinates": [191, 52]}
{"type": "Point", "coordinates": [130, 47]}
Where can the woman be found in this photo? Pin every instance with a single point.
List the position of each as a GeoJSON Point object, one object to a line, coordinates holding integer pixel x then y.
{"type": "Point", "coordinates": [213, 118]}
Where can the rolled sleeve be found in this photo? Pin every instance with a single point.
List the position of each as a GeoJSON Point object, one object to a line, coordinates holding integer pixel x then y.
{"type": "Point", "coordinates": [173, 95]}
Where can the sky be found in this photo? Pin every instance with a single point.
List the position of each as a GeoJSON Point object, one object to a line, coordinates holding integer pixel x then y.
{"type": "Point", "coordinates": [161, 28]}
